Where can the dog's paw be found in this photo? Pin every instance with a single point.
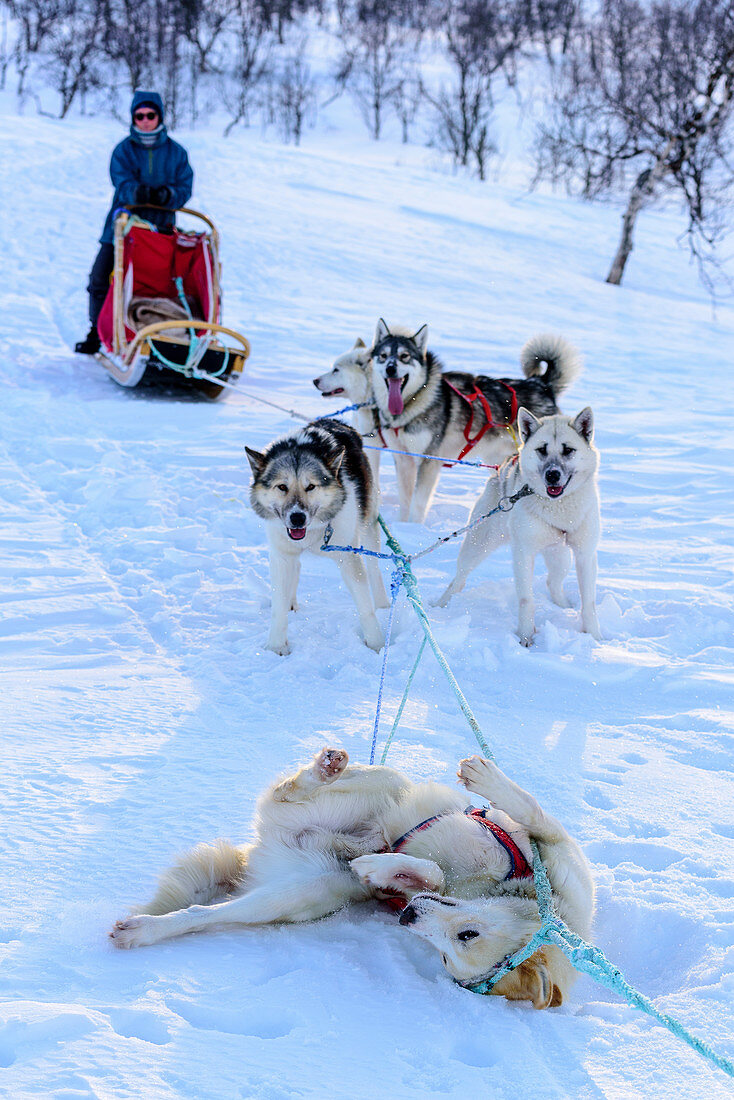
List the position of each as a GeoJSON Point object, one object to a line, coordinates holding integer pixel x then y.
{"type": "Point", "coordinates": [286, 791]}
{"type": "Point", "coordinates": [132, 932]}
{"type": "Point", "coordinates": [329, 764]}
{"type": "Point", "coordinates": [481, 776]}
{"type": "Point", "coordinates": [373, 637]}
{"type": "Point", "coordinates": [398, 874]}
{"type": "Point", "coordinates": [444, 599]}
{"type": "Point", "coordinates": [281, 648]}
{"type": "Point", "coordinates": [526, 640]}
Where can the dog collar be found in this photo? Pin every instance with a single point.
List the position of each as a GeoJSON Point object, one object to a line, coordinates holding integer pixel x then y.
{"type": "Point", "coordinates": [484, 983]}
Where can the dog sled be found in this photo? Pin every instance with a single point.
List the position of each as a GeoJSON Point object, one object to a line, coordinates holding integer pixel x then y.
{"type": "Point", "coordinates": [160, 322]}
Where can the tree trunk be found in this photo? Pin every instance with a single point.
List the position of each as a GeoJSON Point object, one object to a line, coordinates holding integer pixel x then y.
{"type": "Point", "coordinates": [640, 192]}
{"type": "Point", "coordinates": [644, 187]}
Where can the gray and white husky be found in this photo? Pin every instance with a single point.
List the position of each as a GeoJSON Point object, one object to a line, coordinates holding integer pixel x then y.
{"type": "Point", "coordinates": [558, 462]}
{"type": "Point", "coordinates": [313, 479]}
{"type": "Point", "coordinates": [426, 410]}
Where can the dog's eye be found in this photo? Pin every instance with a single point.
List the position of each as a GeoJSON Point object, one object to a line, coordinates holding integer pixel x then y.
{"type": "Point", "coordinates": [382, 356]}
{"type": "Point", "coordinates": [309, 488]}
{"type": "Point", "coordinates": [566, 450]}
{"type": "Point", "coordinates": [404, 357]}
{"type": "Point", "coordinates": [469, 934]}
{"type": "Point", "coordinates": [542, 450]}
{"type": "Point", "coordinates": [283, 488]}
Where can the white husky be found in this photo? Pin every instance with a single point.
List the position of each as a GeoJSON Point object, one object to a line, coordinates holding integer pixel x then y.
{"type": "Point", "coordinates": [558, 463]}
{"type": "Point", "coordinates": [334, 834]}
{"type": "Point", "coordinates": [351, 375]}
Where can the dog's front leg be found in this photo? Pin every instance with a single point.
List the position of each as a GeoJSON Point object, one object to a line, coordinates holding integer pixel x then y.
{"type": "Point", "coordinates": [484, 778]}
{"type": "Point", "coordinates": [523, 561]}
{"type": "Point", "coordinates": [426, 482]}
{"type": "Point", "coordinates": [371, 541]}
{"type": "Point", "coordinates": [355, 577]}
{"type": "Point", "coordinates": [284, 571]}
{"type": "Point", "coordinates": [406, 469]}
{"type": "Point", "coordinates": [586, 574]}
{"type": "Point", "coordinates": [557, 560]}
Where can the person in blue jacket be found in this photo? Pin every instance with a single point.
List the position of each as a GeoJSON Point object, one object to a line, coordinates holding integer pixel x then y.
{"type": "Point", "coordinates": [146, 167]}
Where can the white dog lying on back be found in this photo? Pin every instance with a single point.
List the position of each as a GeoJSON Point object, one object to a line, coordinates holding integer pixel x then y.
{"type": "Point", "coordinates": [558, 462]}
{"type": "Point", "coordinates": [334, 834]}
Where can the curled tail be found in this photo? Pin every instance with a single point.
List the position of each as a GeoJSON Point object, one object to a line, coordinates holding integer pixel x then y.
{"type": "Point", "coordinates": [552, 358]}
{"type": "Point", "coordinates": [207, 872]}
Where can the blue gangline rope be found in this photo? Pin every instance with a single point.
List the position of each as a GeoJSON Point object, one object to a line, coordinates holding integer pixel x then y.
{"type": "Point", "coordinates": [582, 955]}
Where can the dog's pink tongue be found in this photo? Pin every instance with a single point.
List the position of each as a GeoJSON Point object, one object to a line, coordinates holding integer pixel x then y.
{"type": "Point", "coordinates": [297, 533]}
{"type": "Point", "coordinates": [395, 396]}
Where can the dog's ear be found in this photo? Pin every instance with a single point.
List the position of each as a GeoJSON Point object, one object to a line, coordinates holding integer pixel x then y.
{"type": "Point", "coordinates": [334, 462]}
{"type": "Point", "coordinates": [584, 424]}
{"type": "Point", "coordinates": [531, 981]}
{"type": "Point", "coordinates": [381, 331]}
{"type": "Point", "coordinates": [359, 343]}
{"type": "Point", "coordinates": [420, 339]}
{"type": "Point", "coordinates": [256, 460]}
{"type": "Point", "coordinates": [526, 424]}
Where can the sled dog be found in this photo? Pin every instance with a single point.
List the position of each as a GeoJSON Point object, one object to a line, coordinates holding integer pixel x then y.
{"type": "Point", "coordinates": [558, 462]}
{"type": "Point", "coordinates": [336, 833]}
{"type": "Point", "coordinates": [313, 480]}
{"type": "Point", "coordinates": [351, 375]}
{"type": "Point", "coordinates": [426, 410]}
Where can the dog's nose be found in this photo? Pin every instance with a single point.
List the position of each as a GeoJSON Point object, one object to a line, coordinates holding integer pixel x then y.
{"type": "Point", "coordinates": [316, 382]}
{"type": "Point", "coordinates": [552, 476]}
{"type": "Point", "coordinates": [391, 369]}
{"type": "Point", "coordinates": [408, 915]}
{"type": "Point", "coordinates": [298, 519]}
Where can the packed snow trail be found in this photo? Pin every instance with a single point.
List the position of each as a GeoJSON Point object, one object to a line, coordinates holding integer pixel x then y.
{"type": "Point", "coordinates": [142, 713]}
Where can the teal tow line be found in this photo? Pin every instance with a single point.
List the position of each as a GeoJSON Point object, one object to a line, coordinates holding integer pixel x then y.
{"type": "Point", "coordinates": [584, 956]}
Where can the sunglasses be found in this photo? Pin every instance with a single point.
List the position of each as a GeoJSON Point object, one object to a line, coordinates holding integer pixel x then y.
{"type": "Point", "coordinates": [149, 115]}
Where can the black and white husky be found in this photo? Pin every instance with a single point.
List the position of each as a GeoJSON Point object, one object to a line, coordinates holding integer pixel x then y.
{"type": "Point", "coordinates": [313, 479]}
{"type": "Point", "coordinates": [426, 410]}
{"type": "Point", "coordinates": [558, 462]}
{"type": "Point", "coordinates": [336, 833]}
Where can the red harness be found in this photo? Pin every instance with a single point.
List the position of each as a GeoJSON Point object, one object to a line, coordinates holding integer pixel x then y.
{"type": "Point", "coordinates": [519, 866]}
{"type": "Point", "coordinates": [470, 398]}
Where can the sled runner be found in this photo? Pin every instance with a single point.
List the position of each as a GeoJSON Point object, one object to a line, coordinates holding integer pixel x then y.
{"type": "Point", "coordinates": [161, 318]}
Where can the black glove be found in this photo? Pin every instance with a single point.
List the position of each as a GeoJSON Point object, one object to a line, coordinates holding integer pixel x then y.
{"type": "Point", "coordinates": [144, 194]}
{"type": "Point", "coordinates": [162, 195]}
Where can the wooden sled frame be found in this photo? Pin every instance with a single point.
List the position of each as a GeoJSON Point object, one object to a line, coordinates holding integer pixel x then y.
{"type": "Point", "coordinates": [127, 362]}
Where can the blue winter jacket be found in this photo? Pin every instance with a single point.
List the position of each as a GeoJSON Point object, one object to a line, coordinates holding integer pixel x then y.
{"type": "Point", "coordinates": [132, 163]}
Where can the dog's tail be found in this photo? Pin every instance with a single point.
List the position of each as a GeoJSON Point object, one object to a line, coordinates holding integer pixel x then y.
{"type": "Point", "coordinates": [207, 872]}
{"type": "Point", "coordinates": [552, 358]}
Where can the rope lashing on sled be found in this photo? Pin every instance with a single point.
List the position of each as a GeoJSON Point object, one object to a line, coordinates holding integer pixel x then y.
{"type": "Point", "coordinates": [197, 348]}
{"type": "Point", "coordinates": [584, 956]}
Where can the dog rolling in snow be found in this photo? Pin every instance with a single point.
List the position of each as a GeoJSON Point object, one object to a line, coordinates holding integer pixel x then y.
{"type": "Point", "coordinates": [558, 462]}
{"type": "Point", "coordinates": [313, 479]}
{"type": "Point", "coordinates": [336, 833]}
{"type": "Point", "coordinates": [426, 410]}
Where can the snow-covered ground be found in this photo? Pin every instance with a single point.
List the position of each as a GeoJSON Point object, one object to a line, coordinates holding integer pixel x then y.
{"type": "Point", "coordinates": [143, 714]}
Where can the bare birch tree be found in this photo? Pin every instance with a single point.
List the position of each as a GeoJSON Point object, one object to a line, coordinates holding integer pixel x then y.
{"type": "Point", "coordinates": [645, 104]}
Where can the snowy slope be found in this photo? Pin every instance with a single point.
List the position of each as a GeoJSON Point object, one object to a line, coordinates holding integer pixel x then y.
{"type": "Point", "coordinates": [142, 713]}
